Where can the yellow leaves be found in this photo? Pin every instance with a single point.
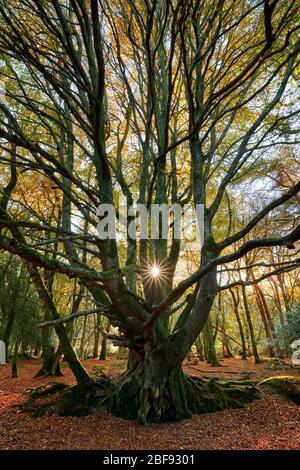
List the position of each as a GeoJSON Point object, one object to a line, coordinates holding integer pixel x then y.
{"type": "Point", "coordinates": [40, 194]}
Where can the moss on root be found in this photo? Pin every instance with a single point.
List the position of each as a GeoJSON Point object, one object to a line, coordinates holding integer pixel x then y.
{"type": "Point", "coordinates": [218, 394]}
{"type": "Point", "coordinates": [178, 398]}
{"type": "Point", "coordinates": [286, 387]}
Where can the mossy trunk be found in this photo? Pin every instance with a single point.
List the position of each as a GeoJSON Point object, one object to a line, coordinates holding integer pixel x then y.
{"type": "Point", "coordinates": [81, 375]}
{"type": "Point", "coordinates": [199, 347]}
{"type": "Point", "coordinates": [209, 344]}
{"type": "Point", "coordinates": [66, 348]}
{"type": "Point", "coordinates": [153, 390]}
{"type": "Point", "coordinates": [96, 343]}
{"type": "Point", "coordinates": [103, 352]}
{"type": "Point", "coordinates": [250, 326]}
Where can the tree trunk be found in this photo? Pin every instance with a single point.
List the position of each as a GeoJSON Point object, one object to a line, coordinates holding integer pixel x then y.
{"type": "Point", "coordinates": [250, 325]}
{"type": "Point", "coordinates": [199, 347]}
{"type": "Point", "coordinates": [236, 302]}
{"type": "Point", "coordinates": [81, 375]}
{"type": "Point", "coordinates": [209, 344]}
{"type": "Point", "coordinates": [96, 337]}
{"type": "Point", "coordinates": [156, 390]}
{"type": "Point", "coordinates": [226, 345]}
{"type": "Point", "coordinates": [83, 338]}
{"type": "Point", "coordinates": [154, 387]}
{"type": "Point", "coordinates": [50, 366]}
{"type": "Point", "coordinates": [265, 320]}
{"type": "Point", "coordinates": [103, 352]}
{"type": "Point", "coordinates": [277, 300]}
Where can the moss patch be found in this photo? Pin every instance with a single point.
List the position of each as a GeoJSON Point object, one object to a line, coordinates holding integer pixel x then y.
{"type": "Point", "coordinates": [286, 387]}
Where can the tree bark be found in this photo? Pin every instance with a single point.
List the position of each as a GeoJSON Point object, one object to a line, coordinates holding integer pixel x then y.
{"type": "Point", "coordinates": [265, 315]}
{"type": "Point", "coordinates": [156, 390]}
{"type": "Point", "coordinates": [103, 352]}
{"type": "Point", "coordinates": [209, 344]}
{"type": "Point", "coordinates": [250, 325]}
{"type": "Point", "coordinates": [236, 301]}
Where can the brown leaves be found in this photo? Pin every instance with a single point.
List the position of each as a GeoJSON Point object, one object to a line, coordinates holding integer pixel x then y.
{"type": "Point", "coordinates": [269, 423]}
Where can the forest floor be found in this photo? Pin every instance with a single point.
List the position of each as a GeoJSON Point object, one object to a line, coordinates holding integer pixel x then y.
{"type": "Point", "coordinates": [267, 423]}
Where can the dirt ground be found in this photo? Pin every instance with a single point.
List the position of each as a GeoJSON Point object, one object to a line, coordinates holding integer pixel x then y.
{"type": "Point", "coordinates": [267, 423]}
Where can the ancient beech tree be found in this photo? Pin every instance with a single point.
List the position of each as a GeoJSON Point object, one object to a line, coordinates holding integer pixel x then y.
{"type": "Point", "coordinates": [165, 101]}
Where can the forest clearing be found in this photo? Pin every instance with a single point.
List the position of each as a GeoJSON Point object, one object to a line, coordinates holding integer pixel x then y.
{"type": "Point", "coordinates": [268, 423]}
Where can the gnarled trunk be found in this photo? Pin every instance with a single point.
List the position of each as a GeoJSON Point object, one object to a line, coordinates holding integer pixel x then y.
{"type": "Point", "coordinates": [156, 390]}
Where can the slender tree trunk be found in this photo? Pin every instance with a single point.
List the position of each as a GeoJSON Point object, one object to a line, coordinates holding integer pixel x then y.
{"type": "Point", "coordinates": [96, 344]}
{"type": "Point", "coordinates": [103, 352]}
{"type": "Point", "coordinates": [236, 302]}
{"type": "Point", "coordinates": [78, 370]}
{"type": "Point", "coordinates": [226, 346]}
{"type": "Point", "coordinates": [209, 344]}
{"type": "Point", "coordinates": [199, 347]}
{"type": "Point", "coordinates": [283, 292]}
{"type": "Point", "coordinates": [267, 311]}
{"type": "Point", "coordinates": [226, 350]}
{"type": "Point", "coordinates": [83, 337]}
{"type": "Point", "coordinates": [250, 325]}
{"type": "Point", "coordinates": [96, 337]}
{"type": "Point", "coordinates": [264, 320]}
{"type": "Point", "coordinates": [277, 300]}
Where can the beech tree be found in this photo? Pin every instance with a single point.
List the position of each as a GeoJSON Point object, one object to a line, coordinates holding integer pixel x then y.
{"type": "Point", "coordinates": [166, 101]}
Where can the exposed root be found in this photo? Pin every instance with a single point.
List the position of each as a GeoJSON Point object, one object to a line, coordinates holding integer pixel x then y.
{"type": "Point", "coordinates": [217, 394]}
{"type": "Point", "coordinates": [63, 400]}
{"type": "Point", "coordinates": [45, 390]}
{"type": "Point", "coordinates": [286, 387]}
{"type": "Point", "coordinates": [178, 398]}
{"type": "Point", "coordinates": [135, 397]}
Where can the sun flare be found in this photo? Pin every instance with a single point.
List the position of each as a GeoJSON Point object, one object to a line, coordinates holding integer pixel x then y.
{"type": "Point", "coordinates": [155, 271]}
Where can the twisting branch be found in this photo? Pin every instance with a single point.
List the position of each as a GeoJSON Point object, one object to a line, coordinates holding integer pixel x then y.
{"type": "Point", "coordinates": [74, 315]}
{"type": "Point", "coordinates": [260, 265]}
{"type": "Point", "coordinates": [82, 272]}
{"type": "Point", "coordinates": [261, 278]}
